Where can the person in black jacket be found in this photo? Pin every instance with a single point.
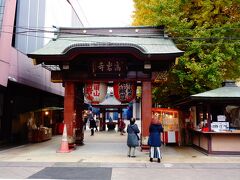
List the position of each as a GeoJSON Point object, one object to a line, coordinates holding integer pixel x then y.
{"type": "Point", "coordinates": [92, 125]}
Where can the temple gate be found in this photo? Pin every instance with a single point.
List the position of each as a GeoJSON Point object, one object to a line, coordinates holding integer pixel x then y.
{"type": "Point", "coordinates": [110, 55]}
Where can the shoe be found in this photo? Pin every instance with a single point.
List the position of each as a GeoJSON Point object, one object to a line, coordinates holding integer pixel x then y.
{"type": "Point", "coordinates": [151, 159]}
{"type": "Point", "coordinates": [159, 160]}
{"type": "Point", "coordinates": [133, 156]}
{"type": "Point", "coordinates": [128, 155]}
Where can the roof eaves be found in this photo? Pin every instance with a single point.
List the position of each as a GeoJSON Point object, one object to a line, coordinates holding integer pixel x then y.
{"type": "Point", "coordinates": [99, 45]}
{"type": "Point", "coordinates": [222, 92]}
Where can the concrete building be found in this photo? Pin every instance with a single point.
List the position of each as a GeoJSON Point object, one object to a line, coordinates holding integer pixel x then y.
{"type": "Point", "coordinates": [25, 26]}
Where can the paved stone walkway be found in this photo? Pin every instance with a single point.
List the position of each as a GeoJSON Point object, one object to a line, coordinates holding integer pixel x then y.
{"type": "Point", "coordinates": [119, 171]}
{"type": "Point", "coordinates": [104, 156]}
{"type": "Point", "coordinates": [105, 147]}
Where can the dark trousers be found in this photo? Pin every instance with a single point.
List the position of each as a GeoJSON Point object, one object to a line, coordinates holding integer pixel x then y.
{"type": "Point", "coordinates": [92, 131]}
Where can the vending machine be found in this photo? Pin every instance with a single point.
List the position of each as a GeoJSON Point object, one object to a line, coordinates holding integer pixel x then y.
{"type": "Point", "coordinates": [170, 122]}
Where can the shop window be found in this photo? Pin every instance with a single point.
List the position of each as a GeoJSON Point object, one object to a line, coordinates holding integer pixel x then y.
{"type": "Point", "coordinates": [217, 111]}
{"type": "Point", "coordinates": [232, 113]}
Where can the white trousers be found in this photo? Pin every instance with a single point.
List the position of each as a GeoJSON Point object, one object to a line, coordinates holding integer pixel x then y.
{"type": "Point", "coordinates": [155, 152]}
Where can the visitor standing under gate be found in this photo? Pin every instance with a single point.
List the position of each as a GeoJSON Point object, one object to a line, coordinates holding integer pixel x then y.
{"type": "Point", "coordinates": [154, 140]}
{"type": "Point", "coordinates": [133, 138]}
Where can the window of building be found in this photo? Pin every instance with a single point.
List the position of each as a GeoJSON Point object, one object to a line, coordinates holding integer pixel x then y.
{"type": "Point", "coordinates": [2, 5]}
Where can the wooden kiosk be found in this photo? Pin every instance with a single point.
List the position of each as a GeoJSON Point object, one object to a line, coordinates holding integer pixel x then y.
{"type": "Point", "coordinates": [169, 119]}
{"type": "Point", "coordinates": [80, 55]}
{"type": "Point", "coordinates": [215, 120]}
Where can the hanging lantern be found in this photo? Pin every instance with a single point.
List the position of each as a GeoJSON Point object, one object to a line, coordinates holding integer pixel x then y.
{"type": "Point", "coordinates": [95, 92]}
{"type": "Point", "coordinates": [124, 91]}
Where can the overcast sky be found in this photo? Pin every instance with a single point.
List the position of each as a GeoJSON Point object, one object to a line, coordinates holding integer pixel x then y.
{"type": "Point", "coordinates": [108, 13]}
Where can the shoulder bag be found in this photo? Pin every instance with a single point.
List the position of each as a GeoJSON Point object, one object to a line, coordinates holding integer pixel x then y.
{"type": "Point", "coordinates": [135, 132]}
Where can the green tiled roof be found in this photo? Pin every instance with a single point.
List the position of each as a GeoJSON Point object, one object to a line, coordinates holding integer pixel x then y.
{"type": "Point", "coordinates": [228, 91]}
{"type": "Point", "coordinates": [146, 44]}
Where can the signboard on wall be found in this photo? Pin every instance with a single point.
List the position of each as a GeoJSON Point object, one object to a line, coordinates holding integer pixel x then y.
{"type": "Point", "coordinates": [220, 126]}
{"type": "Point", "coordinates": [221, 118]}
{"type": "Point", "coordinates": [109, 66]}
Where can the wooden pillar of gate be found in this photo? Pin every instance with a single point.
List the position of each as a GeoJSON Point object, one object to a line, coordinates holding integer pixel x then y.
{"type": "Point", "coordinates": [79, 103]}
{"type": "Point", "coordinates": [146, 112]}
{"type": "Point", "coordinates": [69, 110]}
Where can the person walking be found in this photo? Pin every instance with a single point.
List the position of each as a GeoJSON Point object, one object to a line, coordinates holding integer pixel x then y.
{"type": "Point", "coordinates": [85, 120]}
{"type": "Point", "coordinates": [133, 138]}
{"type": "Point", "coordinates": [97, 124]}
{"type": "Point", "coordinates": [92, 125]}
{"type": "Point", "coordinates": [154, 140]}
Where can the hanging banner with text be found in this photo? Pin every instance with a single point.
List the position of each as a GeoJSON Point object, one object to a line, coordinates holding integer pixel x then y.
{"type": "Point", "coordinates": [95, 92]}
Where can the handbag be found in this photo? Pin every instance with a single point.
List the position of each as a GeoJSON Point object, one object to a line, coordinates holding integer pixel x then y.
{"type": "Point", "coordinates": [137, 136]}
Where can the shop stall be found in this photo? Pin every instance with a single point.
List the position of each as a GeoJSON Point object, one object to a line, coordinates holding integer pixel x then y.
{"type": "Point", "coordinates": [43, 123]}
{"type": "Point", "coordinates": [170, 122]}
{"type": "Point", "coordinates": [215, 119]}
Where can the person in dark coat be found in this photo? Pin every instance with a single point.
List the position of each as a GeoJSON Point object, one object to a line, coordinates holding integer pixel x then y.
{"type": "Point", "coordinates": [154, 140]}
{"type": "Point", "coordinates": [92, 125]}
{"type": "Point", "coordinates": [132, 139]}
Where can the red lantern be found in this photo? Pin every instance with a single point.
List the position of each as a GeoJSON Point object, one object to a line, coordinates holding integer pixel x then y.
{"type": "Point", "coordinates": [124, 91]}
{"type": "Point", "coordinates": [95, 92]}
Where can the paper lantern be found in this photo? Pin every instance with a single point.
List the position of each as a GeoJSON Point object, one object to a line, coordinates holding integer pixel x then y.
{"type": "Point", "coordinates": [95, 92]}
{"type": "Point", "coordinates": [124, 91]}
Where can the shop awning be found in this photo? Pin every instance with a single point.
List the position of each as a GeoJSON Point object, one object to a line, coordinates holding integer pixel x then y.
{"type": "Point", "coordinates": [229, 91]}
